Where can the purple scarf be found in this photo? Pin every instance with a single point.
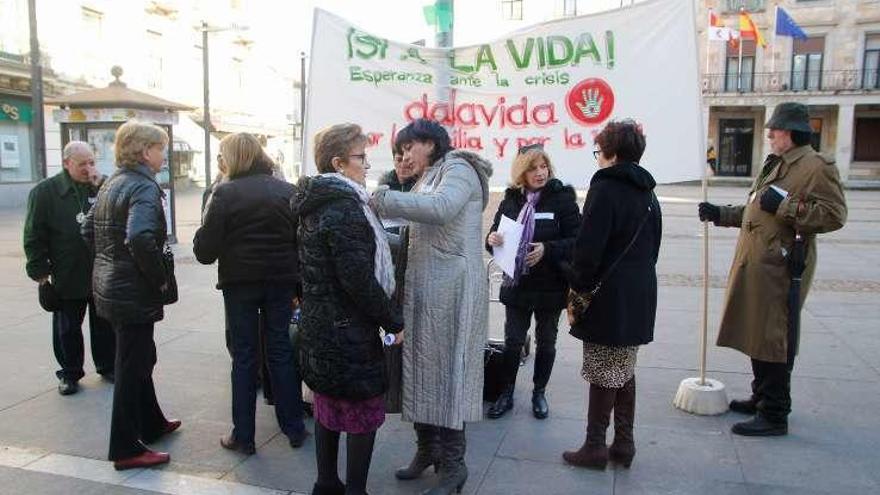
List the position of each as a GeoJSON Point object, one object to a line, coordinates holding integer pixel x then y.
{"type": "Point", "coordinates": [527, 219]}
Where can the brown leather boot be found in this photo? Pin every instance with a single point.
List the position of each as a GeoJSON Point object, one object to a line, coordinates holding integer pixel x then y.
{"type": "Point", "coordinates": [623, 449]}
{"type": "Point", "coordinates": [594, 452]}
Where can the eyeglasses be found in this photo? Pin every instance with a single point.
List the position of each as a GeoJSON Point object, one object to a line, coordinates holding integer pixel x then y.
{"type": "Point", "coordinates": [596, 154]}
{"type": "Point", "coordinates": [362, 156]}
{"type": "Point", "coordinates": [530, 147]}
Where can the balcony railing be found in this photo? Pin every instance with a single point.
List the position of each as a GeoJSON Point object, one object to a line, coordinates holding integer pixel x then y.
{"type": "Point", "coordinates": [775, 82]}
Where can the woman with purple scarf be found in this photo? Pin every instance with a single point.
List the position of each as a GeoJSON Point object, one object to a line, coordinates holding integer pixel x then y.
{"type": "Point", "coordinates": [548, 211]}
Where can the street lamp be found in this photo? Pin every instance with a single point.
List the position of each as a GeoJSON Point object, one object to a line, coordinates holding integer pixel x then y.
{"type": "Point", "coordinates": [206, 110]}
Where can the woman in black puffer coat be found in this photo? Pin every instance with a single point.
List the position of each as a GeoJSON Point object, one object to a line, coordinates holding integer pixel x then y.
{"type": "Point", "coordinates": [348, 282]}
{"type": "Point", "coordinates": [248, 227]}
{"type": "Point", "coordinates": [548, 209]}
{"type": "Point", "coordinates": [126, 230]}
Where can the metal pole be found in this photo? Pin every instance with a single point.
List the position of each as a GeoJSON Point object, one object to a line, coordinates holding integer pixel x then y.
{"type": "Point", "coordinates": [206, 111]}
{"type": "Point", "coordinates": [443, 39]}
{"type": "Point", "coordinates": [38, 126]}
{"type": "Point", "coordinates": [302, 109]}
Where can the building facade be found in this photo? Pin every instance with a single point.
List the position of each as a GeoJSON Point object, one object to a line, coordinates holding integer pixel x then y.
{"type": "Point", "coordinates": [835, 71]}
{"type": "Point", "coordinates": [158, 44]}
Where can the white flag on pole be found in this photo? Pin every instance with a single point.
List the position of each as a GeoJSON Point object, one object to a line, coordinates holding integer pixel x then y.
{"type": "Point", "coordinates": [719, 33]}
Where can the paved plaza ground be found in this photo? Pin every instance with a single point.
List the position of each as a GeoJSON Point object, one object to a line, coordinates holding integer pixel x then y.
{"type": "Point", "coordinates": [57, 445]}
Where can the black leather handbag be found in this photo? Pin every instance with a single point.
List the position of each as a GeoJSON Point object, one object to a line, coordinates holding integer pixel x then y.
{"type": "Point", "coordinates": [493, 370]}
{"type": "Point", "coordinates": [169, 295]}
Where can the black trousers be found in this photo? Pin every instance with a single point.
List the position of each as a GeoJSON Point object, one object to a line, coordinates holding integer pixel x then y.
{"type": "Point", "coordinates": [771, 389]}
{"type": "Point", "coordinates": [137, 417]}
{"type": "Point", "coordinates": [516, 326]}
{"type": "Point", "coordinates": [67, 339]}
{"type": "Point", "coordinates": [264, 379]}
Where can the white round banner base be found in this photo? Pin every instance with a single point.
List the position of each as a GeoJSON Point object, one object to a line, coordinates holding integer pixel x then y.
{"type": "Point", "coordinates": [707, 399]}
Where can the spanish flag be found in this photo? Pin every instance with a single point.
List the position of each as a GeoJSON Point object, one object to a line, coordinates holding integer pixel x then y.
{"type": "Point", "coordinates": [748, 29]}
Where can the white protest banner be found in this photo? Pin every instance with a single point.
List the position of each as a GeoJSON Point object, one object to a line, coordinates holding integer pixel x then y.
{"type": "Point", "coordinates": [555, 83]}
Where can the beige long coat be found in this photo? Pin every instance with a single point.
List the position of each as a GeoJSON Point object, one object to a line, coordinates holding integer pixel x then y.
{"type": "Point", "coordinates": [755, 318]}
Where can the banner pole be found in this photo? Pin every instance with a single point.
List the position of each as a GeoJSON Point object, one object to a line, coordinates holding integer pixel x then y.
{"type": "Point", "coordinates": [699, 395]}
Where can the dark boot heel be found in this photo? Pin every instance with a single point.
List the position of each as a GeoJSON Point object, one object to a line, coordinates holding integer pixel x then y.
{"type": "Point", "coordinates": [621, 455]}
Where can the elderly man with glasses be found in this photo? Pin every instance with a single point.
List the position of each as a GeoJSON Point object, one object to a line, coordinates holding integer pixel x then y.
{"type": "Point", "coordinates": [59, 261]}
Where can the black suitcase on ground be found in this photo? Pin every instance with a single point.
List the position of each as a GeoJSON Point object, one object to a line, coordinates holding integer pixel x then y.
{"type": "Point", "coordinates": [493, 369]}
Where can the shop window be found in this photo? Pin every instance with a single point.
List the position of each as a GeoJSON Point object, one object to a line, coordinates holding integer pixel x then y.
{"type": "Point", "coordinates": [867, 146]}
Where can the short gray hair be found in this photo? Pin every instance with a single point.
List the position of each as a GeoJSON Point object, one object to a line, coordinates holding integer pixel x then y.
{"type": "Point", "coordinates": [75, 147]}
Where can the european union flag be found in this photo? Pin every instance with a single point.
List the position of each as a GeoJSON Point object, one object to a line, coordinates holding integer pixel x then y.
{"type": "Point", "coordinates": [785, 25]}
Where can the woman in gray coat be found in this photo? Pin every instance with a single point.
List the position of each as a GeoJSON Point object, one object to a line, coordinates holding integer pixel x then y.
{"type": "Point", "coordinates": [445, 297]}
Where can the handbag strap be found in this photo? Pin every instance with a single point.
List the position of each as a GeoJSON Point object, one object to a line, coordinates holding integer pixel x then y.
{"type": "Point", "coordinates": [625, 250]}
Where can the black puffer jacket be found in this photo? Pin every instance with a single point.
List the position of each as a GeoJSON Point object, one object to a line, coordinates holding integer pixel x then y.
{"type": "Point", "coordinates": [126, 230]}
{"type": "Point", "coordinates": [339, 349]}
{"type": "Point", "coordinates": [623, 312]}
{"type": "Point", "coordinates": [557, 221]}
{"type": "Point", "coordinates": [249, 227]}
{"type": "Point", "coordinates": [390, 179]}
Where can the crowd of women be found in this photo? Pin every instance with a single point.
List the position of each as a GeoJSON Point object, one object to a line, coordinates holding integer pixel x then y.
{"type": "Point", "coordinates": [321, 247]}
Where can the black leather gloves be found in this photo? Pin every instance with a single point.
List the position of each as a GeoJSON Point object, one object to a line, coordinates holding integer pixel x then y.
{"type": "Point", "coordinates": [770, 200]}
{"type": "Point", "coordinates": [709, 212]}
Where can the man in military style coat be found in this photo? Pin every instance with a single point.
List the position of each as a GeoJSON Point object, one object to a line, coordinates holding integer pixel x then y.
{"type": "Point", "coordinates": [59, 260]}
{"type": "Point", "coordinates": [797, 191]}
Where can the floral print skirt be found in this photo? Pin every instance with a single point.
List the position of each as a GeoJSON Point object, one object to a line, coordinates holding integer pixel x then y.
{"type": "Point", "coordinates": [350, 416]}
{"type": "Point", "coordinates": [609, 366]}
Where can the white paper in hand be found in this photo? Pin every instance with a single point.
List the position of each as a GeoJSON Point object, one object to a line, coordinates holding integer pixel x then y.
{"type": "Point", "coordinates": [505, 254]}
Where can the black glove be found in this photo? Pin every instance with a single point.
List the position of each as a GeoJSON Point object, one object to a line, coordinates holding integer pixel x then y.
{"type": "Point", "coordinates": [709, 212]}
{"type": "Point", "coordinates": [770, 200]}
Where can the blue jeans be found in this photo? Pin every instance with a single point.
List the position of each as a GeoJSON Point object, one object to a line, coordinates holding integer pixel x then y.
{"type": "Point", "coordinates": [243, 304]}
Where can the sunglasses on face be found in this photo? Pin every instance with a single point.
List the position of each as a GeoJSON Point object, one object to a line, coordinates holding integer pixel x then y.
{"type": "Point", "coordinates": [530, 147]}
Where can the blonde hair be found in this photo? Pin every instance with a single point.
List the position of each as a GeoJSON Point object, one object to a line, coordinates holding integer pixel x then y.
{"type": "Point", "coordinates": [241, 151]}
{"type": "Point", "coordinates": [133, 138]}
{"type": "Point", "coordinates": [336, 141]}
{"type": "Point", "coordinates": [525, 162]}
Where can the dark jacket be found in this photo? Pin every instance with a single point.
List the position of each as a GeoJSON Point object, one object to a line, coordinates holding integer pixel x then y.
{"type": "Point", "coordinates": [126, 230]}
{"type": "Point", "coordinates": [545, 285]}
{"type": "Point", "coordinates": [249, 227]}
{"type": "Point", "coordinates": [622, 313]}
{"type": "Point", "coordinates": [390, 179]}
{"type": "Point", "coordinates": [52, 241]}
{"type": "Point", "coordinates": [339, 350]}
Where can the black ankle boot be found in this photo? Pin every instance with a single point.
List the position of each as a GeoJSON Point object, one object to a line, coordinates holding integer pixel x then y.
{"type": "Point", "coordinates": [540, 408]}
{"type": "Point", "coordinates": [759, 426]}
{"type": "Point", "coordinates": [503, 404]}
{"type": "Point", "coordinates": [336, 488]}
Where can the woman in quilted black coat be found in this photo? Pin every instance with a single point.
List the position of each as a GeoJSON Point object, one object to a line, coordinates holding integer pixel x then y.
{"type": "Point", "coordinates": [549, 213]}
{"type": "Point", "coordinates": [347, 283]}
{"type": "Point", "coordinates": [126, 231]}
